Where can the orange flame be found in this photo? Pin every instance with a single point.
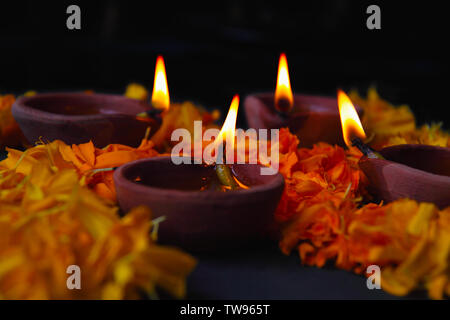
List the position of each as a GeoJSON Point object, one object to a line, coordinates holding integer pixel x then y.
{"type": "Point", "coordinates": [229, 126]}
{"type": "Point", "coordinates": [284, 99]}
{"type": "Point", "coordinates": [351, 125]}
{"type": "Point", "coordinates": [160, 95]}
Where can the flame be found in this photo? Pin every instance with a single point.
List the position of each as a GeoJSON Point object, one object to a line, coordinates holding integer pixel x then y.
{"type": "Point", "coordinates": [160, 95]}
{"type": "Point", "coordinates": [228, 130]}
{"type": "Point", "coordinates": [351, 125]}
{"type": "Point", "coordinates": [284, 99]}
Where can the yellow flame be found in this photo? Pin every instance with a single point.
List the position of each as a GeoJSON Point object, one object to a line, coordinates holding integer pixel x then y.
{"type": "Point", "coordinates": [160, 95]}
{"type": "Point", "coordinates": [351, 125]}
{"type": "Point", "coordinates": [284, 99]}
{"type": "Point", "coordinates": [229, 126]}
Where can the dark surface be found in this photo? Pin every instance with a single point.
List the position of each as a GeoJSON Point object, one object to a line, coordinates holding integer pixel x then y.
{"type": "Point", "coordinates": [265, 273]}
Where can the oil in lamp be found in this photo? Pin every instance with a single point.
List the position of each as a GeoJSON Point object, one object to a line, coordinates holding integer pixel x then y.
{"type": "Point", "coordinates": [419, 172]}
{"type": "Point", "coordinates": [311, 118]}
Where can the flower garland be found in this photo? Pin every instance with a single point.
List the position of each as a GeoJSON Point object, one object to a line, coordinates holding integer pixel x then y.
{"type": "Point", "coordinates": [325, 214]}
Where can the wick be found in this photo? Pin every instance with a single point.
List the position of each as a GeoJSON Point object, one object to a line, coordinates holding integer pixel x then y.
{"type": "Point", "coordinates": [283, 106]}
{"type": "Point", "coordinates": [223, 171]}
{"type": "Point", "coordinates": [154, 112]}
{"type": "Point", "coordinates": [365, 149]}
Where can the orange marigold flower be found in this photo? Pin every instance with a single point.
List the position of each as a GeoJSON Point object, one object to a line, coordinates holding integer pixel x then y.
{"type": "Point", "coordinates": [94, 166]}
{"type": "Point", "coordinates": [10, 133]}
{"type": "Point", "coordinates": [320, 216]}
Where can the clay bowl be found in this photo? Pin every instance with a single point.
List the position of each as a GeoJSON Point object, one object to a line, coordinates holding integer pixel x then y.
{"type": "Point", "coordinates": [417, 172]}
{"type": "Point", "coordinates": [78, 117]}
{"type": "Point", "coordinates": [312, 118]}
{"type": "Point", "coordinates": [200, 220]}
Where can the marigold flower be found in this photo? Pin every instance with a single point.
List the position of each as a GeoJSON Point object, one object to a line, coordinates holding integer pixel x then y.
{"type": "Point", "coordinates": [389, 125]}
{"type": "Point", "coordinates": [49, 221]}
{"type": "Point", "coordinates": [10, 133]}
{"type": "Point", "coordinates": [320, 215]}
{"type": "Point", "coordinates": [136, 91]}
{"type": "Point", "coordinates": [94, 166]}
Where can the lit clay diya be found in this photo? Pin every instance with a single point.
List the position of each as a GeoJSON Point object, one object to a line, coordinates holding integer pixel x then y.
{"type": "Point", "coordinates": [198, 218]}
{"type": "Point", "coordinates": [417, 172]}
{"type": "Point", "coordinates": [78, 117]}
{"type": "Point", "coordinates": [311, 118]}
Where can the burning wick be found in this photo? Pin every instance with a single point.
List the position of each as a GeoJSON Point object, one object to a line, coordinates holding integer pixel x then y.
{"type": "Point", "coordinates": [365, 149]}
{"type": "Point", "coordinates": [225, 175]}
{"type": "Point", "coordinates": [352, 128]}
{"type": "Point", "coordinates": [150, 113]}
{"type": "Point", "coordinates": [284, 99]}
{"type": "Point", "coordinates": [223, 171]}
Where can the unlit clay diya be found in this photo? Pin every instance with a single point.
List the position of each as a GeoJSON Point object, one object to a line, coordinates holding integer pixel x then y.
{"type": "Point", "coordinates": [311, 118]}
{"type": "Point", "coordinates": [78, 118]}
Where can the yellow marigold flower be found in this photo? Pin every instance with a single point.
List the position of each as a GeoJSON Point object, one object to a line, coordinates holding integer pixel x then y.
{"type": "Point", "coordinates": [136, 91]}
{"type": "Point", "coordinates": [30, 93]}
{"type": "Point", "coordinates": [389, 125]}
{"type": "Point", "coordinates": [49, 221]}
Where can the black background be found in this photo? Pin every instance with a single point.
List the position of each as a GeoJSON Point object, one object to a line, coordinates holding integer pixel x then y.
{"type": "Point", "coordinates": [215, 49]}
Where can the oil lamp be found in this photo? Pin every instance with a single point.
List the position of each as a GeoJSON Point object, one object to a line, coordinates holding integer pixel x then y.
{"type": "Point", "coordinates": [419, 172]}
{"type": "Point", "coordinates": [80, 117]}
{"type": "Point", "coordinates": [311, 118]}
{"type": "Point", "coordinates": [206, 207]}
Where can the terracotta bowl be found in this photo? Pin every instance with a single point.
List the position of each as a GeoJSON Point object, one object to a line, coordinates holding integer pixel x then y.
{"type": "Point", "coordinates": [312, 118]}
{"type": "Point", "coordinates": [200, 220]}
{"type": "Point", "coordinates": [77, 118]}
{"type": "Point", "coordinates": [417, 172]}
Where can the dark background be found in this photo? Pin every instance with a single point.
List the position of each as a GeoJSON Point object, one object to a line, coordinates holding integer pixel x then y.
{"type": "Point", "coordinates": [215, 49]}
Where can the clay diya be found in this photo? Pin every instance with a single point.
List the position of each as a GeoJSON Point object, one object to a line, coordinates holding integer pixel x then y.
{"type": "Point", "coordinates": [208, 204]}
{"type": "Point", "coordinates": [418, 172]}
{"type": "Point", "coordinates": [78, 117]}
{"type": "Point", "coordinates": [311, 118]}
{"type": "Point", "coordinates": [196, 219]}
